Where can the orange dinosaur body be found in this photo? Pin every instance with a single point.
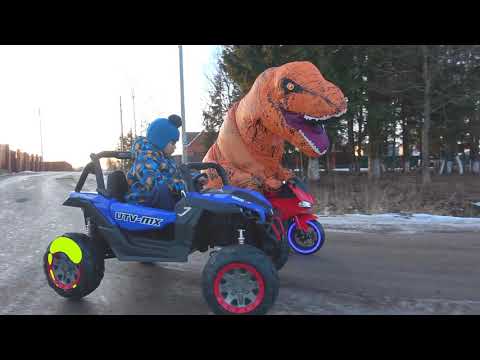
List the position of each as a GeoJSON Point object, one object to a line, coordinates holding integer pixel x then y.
{"type": "Point", "coordinates": [285, 103]}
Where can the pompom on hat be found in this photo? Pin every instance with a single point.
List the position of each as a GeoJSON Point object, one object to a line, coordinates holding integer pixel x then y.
{"type": "Point", "coordinates": [161, 131]}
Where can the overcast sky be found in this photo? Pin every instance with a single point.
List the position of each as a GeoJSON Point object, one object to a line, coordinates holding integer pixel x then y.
{"type": "Point", "coordinates": [78, 89]}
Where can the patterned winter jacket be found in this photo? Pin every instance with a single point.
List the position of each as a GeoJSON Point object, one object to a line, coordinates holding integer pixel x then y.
{"type": "Point", "coordinates": [150, 169]}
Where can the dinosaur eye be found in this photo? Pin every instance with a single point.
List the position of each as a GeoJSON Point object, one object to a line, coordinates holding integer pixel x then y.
{"type": "Point", "coordinates": [290, 86]}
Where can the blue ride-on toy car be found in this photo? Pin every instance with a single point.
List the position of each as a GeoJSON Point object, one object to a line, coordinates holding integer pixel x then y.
{"type": "Point", "coordinates": [240, 276]}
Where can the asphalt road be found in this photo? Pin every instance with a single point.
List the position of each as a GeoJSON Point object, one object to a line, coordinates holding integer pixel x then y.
{"type": "Point", "coordinates": [355, 273]}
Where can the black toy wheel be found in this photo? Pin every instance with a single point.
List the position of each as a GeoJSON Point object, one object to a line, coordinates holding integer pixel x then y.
{"type": "Point", "coordinates": [239, 280]}
{"type": "Point", "coordinates": [74, 265]}
{"type": "Point", "coordinates": [281, 251]}
{"type": "Point", "coordinates": [281, 256]}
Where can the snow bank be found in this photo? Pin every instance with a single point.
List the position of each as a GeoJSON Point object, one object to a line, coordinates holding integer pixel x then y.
{"type": "Point", "coordinates": [411, 223]}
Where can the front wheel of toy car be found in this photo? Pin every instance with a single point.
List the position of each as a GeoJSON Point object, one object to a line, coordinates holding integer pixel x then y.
{"type": "Point", "coordinates": [74, 265]}
{"type": "Point", "coordinates": [240, 280]}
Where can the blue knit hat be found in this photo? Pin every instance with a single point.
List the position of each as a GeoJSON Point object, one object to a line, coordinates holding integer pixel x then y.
{"type": "Point", "coordinates": [161, 131]}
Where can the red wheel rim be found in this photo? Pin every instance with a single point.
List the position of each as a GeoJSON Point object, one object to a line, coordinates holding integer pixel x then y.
{"type": "Point", "coordinates": [230, 296]}
{"type": "Point", "coordinates": [63, 272]}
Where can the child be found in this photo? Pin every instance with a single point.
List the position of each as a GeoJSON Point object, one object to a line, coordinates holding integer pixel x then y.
{"type": "Point", "coordinates": [153, 179]}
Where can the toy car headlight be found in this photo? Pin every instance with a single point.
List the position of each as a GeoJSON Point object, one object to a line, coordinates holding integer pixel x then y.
{"type": "Point", "coordinates": [305, 204]}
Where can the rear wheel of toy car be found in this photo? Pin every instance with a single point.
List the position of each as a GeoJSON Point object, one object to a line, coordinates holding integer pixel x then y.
{"type": "Point", "coordinates": [306, 242]}
{"type": "Point", "coordinates": [240, 280]}
{"type": "Point", "coordinates": [74, 265]}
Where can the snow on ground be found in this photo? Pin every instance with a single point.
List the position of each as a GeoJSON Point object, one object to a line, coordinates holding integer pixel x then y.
{"type": "Point", "coordinates": [411, 223]}
{"type": "Point", "coordinates": [6, 180]}
{"type": "Point", "coordinates": [345, 170]}
{"type": "Point", "coordinates": [406, 223]}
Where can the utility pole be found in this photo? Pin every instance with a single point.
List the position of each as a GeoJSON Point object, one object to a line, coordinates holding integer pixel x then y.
{"type": "Point", "coordinates": [184, 140]}
{"type": "Point", "coordinates": [121, 135]}
{"type": "Point", "coordinates": [121, 126]}
{"type": "Point", "coordinates": [134, 121]}
{"type": "Point", "coordinates": [41, 137]}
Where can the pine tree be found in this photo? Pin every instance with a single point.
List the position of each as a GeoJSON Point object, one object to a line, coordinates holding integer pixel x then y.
{"type": "Point", "coordinates": [125, 144]}
{"type": "Point", "coordinates": [222, 95]}
{"type": "Point", "coordinates": [112, 165]}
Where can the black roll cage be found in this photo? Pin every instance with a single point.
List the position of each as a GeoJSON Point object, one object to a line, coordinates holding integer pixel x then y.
{"type": "Point", "coordinates": [93, 167]}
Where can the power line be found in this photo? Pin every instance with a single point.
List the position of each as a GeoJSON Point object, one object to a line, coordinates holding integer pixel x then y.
{"type": "Point", "coordinates": [184, 140]}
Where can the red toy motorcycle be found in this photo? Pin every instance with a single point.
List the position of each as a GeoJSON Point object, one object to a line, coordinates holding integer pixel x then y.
{"type": "Point", "coordinates": [294, 205]}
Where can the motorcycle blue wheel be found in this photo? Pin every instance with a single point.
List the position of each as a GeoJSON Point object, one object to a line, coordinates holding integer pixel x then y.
{"type": "Point", "coordinates": [306, 243]}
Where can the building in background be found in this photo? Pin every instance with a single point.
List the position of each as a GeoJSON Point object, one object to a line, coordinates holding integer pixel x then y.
{"type": "Point", "coordinates": [197, 146]}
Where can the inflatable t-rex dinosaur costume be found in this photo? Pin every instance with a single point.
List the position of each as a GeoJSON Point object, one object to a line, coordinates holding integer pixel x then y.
{"type": "Point", "coordinates": [285, 103]}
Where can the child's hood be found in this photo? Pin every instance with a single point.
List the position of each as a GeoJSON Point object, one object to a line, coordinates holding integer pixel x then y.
{"type": "Point", "coordinates": [142, 145]}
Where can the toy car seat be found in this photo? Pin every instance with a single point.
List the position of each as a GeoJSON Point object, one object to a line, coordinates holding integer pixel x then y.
{"type": "Point", "coordinates": [117, 186]}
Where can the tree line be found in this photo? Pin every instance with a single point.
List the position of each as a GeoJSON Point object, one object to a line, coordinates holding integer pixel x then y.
{"type": "Point", "coordinates": [424, 97]}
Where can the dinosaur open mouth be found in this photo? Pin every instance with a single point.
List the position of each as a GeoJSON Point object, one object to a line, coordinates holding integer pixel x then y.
{"type": "Point", "coordinates": [311, 128]}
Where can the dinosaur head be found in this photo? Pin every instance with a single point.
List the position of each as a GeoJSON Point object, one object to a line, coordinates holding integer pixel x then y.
{"type": "Point", "coordinates": [298, 101]}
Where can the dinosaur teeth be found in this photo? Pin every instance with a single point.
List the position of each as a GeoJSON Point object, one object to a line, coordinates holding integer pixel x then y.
{"type": "Point", "coordinates": [312, 145]}
{"type": "Point", "coordinates": [341, 113]}
{"type": "Point", "coordinates": [310, 118]}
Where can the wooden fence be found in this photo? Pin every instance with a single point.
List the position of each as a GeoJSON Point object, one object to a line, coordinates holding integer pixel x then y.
{"type": "Point", "coordinates": [16, 161]}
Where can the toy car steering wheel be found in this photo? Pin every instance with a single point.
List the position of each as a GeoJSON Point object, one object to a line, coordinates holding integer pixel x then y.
{"type": "Point", "coordinates": [196, 179]}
